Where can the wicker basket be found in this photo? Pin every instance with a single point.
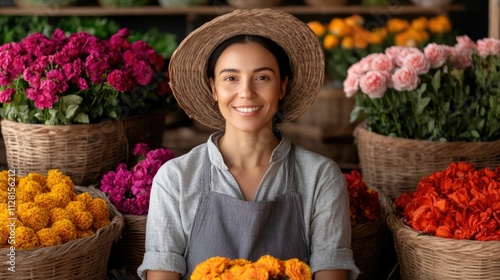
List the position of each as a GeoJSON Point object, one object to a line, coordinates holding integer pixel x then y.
{"type": "Point", "coordinates": [396, 165]}
{"type": "Point", "coordinates": [253, 3]}
{"type": "Point", "coordinates": [83, 152]}
{"type": "Point", "coordinates": [326, 2]}
{"type": "Point", "coordinates": [145, 128]}
{"type": "Point", "coordinates": [428, 257]}
{"type": "Point", "coordinates": [128, 253]}
{"type": "Point", "coordinates": [85, 258]}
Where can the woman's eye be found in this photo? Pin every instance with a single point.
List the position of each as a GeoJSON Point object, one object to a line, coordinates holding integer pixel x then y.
{"type": "Point", "coordinates": [262, 78]}
{"type": "Point", "coordinates": [230, 79]}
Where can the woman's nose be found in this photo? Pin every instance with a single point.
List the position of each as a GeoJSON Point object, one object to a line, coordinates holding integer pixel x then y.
{"type": "Point", "coordinates": [246, 89]}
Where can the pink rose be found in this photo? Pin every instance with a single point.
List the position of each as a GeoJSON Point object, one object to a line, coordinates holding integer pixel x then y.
{"type": "Point", "coordinates": [488, 46]}
{"type": "Point", "coordinates": [382, 62]}
{"type": "Point", "coordinates": [373, 83]}
{"type": "Point", "coordinates": [351, 85]}
{"type": "Point", "coordinates": [405, 78]}
{"type": "Point", "coordinates": [435, 54]}
{"type": "Point", "coordinates": [417, 61]}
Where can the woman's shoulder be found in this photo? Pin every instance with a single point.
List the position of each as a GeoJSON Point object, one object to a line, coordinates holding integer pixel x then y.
{"type": "Point", "coordinates": [314, 161]}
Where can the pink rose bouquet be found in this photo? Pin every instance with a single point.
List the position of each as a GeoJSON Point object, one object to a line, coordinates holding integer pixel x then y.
{"type": "Point", "coordinates": [80, 78]}
{"type": "Point", "coordinates": [129, 189]}
{"type": "Point", "coordinates": [438, 93]}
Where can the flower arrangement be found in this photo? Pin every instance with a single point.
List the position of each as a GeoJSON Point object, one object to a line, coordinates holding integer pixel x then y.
{"type": "Point", "coordinates": [347, 40]}
{"type": "Point", "coordinates": [439, 93]}
{"type": "Point", "coordinates": [48, 211]}
{"type": "Point", "coordinates": [129, 190]}
{"type": "Point", "coordinates": [266, 267]}
{"type": "Point", "coordinates": [363, 201]}
{"type": "Point", "coordinates": [458, 202]}
{"type": "Point", "coordinates": [80, 78]}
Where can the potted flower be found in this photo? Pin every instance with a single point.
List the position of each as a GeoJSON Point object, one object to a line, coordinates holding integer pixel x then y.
{"type": "Point", "coordinates": [453, 213]}
{"type": "Point", "coordinates": [128, 189]}
{"type": "Point", "coordinates": [68, 93]}
{"type": "Point", "coordinates": [424, 109]}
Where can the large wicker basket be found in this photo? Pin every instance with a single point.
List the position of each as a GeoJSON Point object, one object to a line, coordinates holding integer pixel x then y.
{"type": "Point", "coordinates": [425, 257]}
{"type": "Point", "coordinates": [84, 152]}
{"type": "Point", "coordinates": [128, 252]}
{"type": "Point", "coordinates": [396, 165]}
{"type": "Point", "coordinates": [85, 258]}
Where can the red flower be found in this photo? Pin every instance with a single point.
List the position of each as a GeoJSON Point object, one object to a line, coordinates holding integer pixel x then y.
{"type": "Point", "coordinates": [364, 205]}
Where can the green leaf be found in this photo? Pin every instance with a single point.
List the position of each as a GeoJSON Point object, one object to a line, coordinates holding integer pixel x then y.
{"type": "Point", "coordinates": [436, 81]}
{"type": "Point", "coordinates": [475, 133]}
{"type": "Point", "coordinates": [71, 99]}
{"type": "Point", "coordinates": [422, 104]}
{"type": "Point", "coordinates": [71, 110]}
{"type": "Point", "coordinates": [81, 118]}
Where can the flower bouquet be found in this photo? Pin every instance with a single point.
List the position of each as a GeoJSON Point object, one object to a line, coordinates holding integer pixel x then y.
{"type": "Point", "coordinates": [444, 99]}
{"type": "Point", "coordinates": [47, 215]}
{"type": "Point", "coordinates": [62, 91]}
{"type": "Point", "coordinates": [266, 267]}
{"type": "Point", "coordinates": [453, 214]}
{"type": "Point", "coordinates": [129, 191]}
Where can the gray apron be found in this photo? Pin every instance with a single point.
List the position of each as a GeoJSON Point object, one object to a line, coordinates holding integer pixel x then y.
{"type": "Point", "coordinates": [229, 227]}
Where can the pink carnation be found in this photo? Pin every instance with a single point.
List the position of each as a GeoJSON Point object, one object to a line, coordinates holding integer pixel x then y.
{"type": "Point", "coordinates": [141, 149]}
{"type": "Point", "coordinates": [435, 54]}
{"type": "Point", "coordinates": [356, 69]}
{"type": "Point", "coordinates": [6, 95]}
{"type": "Point", "coordinates": [460, 57]}
{"type": "Point", "coordinates": [142, 73]}
{"type": "Point", "coordinates": [121, 80]}
{"type": "Point", "coordinates": [417, 61]}
{"type": "Point", "coordinates": [351, 85]}
{"type": "Point", "coordinates": [488, 46]}
{"type": "Point", "coordinates": [405, 78]}
{"type": "Point", "coordinates": [382, 62]}
{"type": "Point", "coordinates": [373, 83]}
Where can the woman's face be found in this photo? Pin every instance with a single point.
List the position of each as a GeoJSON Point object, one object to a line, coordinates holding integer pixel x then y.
{"type": "Point", "coordinates": [247, 86]}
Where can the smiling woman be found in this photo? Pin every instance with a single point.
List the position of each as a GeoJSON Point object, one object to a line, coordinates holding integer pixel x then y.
{"type": "Point", "coordinates": [249, 191]}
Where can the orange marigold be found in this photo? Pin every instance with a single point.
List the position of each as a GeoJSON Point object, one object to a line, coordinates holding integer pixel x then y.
{"type": "Point", "coordinates": [48, 237]}
{"type": "Point", "coordinates": [65, 229]}
{"type": "Point", "coordinates": [82, 220]}
{"type": "Point", "coordinates": [62, 199]}
{"type": "Point", "coordinates": [4, 176]}
{"type": "Point", "coordinates": [4, 185]}
{"type": "Point", "coordinates": [253, 271]}
{"type": "Point", "coordinates": [98, 209]}
{"type": "Point", "coordinates": [55, 177]}
{"type": "Point", "coordinates": [47, 200]}
{"type": "Point", "coordinates": [297, 270]}
{"type": "Point", "coordinates": [4, 196]}
{"type": "Point", "coordinates": [38, 178]}
{"type": "Point", "coordinates": [4, 235]}
{"type": "Point", "coordinates": [26, 238]}
{"type": "Point", "coordinates": [212, 266]}
{"type": "Point", "coordinates": [64, 189]}
{"type": "Point", "coordinates": [271, 264]}
{"type": "Point", "coordinates": [57, 214]}
{"type": "Point", "coordinates": [97, 224]}
{"type": "Point", "coordinates": [27, 190]}
{"type": "Point", "coordinates": [75, 206]}
{"type": "Point", "coordinates": [35, 218]}
{"type": "Point", "coordinates": [84, 233]}
{"type": "Point", "coordinates": [85, 198]}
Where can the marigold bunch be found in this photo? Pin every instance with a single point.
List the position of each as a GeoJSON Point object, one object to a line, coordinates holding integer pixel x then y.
{"type": "Point", "coordinates": [459, 202]}
{"type": "Point", "coordinates": [363, 201]}
{"type": "Point", "coordinates": [266, 267]}
{"type": "Point", "coordinates": [80, 78]}
{"type": "Point", "coordinates": [129, 189]}
{"type": "Point", "coordinates": [49, 212]}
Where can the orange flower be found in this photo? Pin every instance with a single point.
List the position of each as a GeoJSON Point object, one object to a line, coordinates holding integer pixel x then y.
{"type": "Point", "coordinates": [48, 237]}
{"type": "Point", "coordinates": [297, 270]}
{"type": "Point", "coordinates": [270, 264]}
{"type": "Point", "coordinates": [26, 238]}
{"type": "Point", "coordinates": [65, 229]}
{"type": "Point", "coordinates": [363, 202]}
{"type": "Point", "coordinates": [317, 27]}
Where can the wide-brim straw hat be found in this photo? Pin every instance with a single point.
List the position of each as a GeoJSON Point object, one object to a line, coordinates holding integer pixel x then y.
{"type": "Point", "coordinates": [188, 65]}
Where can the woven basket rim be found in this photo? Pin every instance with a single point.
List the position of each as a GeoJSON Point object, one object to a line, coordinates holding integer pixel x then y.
{"type": "Point", "coordinates": [10, 123]}
{"type": "Point", "coordinates": [362, 128]}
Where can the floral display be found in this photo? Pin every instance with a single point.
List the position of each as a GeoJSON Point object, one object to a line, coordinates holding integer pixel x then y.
{"type": "Point", "coordinates": [48, 211]}
{"type": "Point", "coordinates": [363, 201]}
{"type": "Point", "coordinates": [458, 202]}
{"type": "Point", "coordinates": [266, 267]}
{"type": "Point", "coordinates": [80, 78]}
{"type": "Point", "coordinates": [347, 40]}
{"type": "Point", "coordinates": [439, 93]}
{"type": "Point", "coordinates": [129, 189]}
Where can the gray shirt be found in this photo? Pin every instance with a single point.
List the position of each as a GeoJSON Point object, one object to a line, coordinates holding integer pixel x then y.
{"type": "Point", "coordinates": [319, 181]}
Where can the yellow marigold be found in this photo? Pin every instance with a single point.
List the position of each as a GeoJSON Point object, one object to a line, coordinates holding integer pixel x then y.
{"type": "Point", "coordinates": [65, 229]}
{"type": "Point", "coordinates": [375, 38]}
{"type": "Point", "coordinates": [271, 264]}
{"type": "Point", "coordinates": [48, 237]}
{"type": "Point", "coordinates": [360, 41]}
{"type": "Point", "coordinates": [40, 178]}
{"type": "Point", "coordinates": [4, 196]}
{"type": "Point", "coordinates": [47, 200]}
{"type": "Point", "coordinates": [27, 190]}
{"type": "Point", "coordinates": [4, 235]}
{"type": "Point", "coordinates": [253, 271]}
{"type": "Point", "coordinates": [98, 209]}
{"type": "Point", "coordinates": [439, 24]}
{"type": "Point", "coordinates": [420, 23]}
{"type": "Point", "coordinates": [4, 176]}
{"type": "Point", "coordinates": [85, 198]}
{"type": "Point", "coordinates": [55, 177]}
{"type": "Point", "coordinates": [57, 214]}
{"type": "Point", "coordinates": [82, 220]}
{"type": "Point", "coordinates": [214, 266]}
{"type": "Point", "coordinates": [395, 25]}
{"type": "Point", "coordinates": [25, 206]}
{"type": "Point", "coordinates": [338, 27]}
{"type": "Point", "coordinates": [75, 206]}
{"type": "Point", "coordinates": [62, 199]}
{"type": "Point", "coordinates": [317, 27]}
{"type": "Point", "coordinates": [35, 218]}
{"type": "Point", "coordinates": [347, 42]}
{"type": "Point", "coordinates": [26, 238]}
{"type": "Point", "coordinates": [298, 270]}
{"type": "Point", "coordinates": [84, 233]}
{"type": "Point", "coordinates": [64, 189]}
{"type": "Point", "coordinates": [330, 41]}
{"type": "Point", "coordinates": [239, 262]}
{"type": "Point", "coordinates": [354, 20]}
{"type": "Point", "coordinates": [97, 224]}
{"type": "Point", "coordinates": [4, 186]}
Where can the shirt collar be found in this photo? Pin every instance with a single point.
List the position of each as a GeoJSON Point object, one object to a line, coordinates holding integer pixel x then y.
{"type": "Point", "coordinates": [280, 152]}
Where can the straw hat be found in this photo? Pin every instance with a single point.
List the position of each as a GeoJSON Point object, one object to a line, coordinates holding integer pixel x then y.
{"type": "Point", "coordinates": [187, 68]}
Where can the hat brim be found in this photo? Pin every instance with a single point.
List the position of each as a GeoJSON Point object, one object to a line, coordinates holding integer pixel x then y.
{"type": "Point", "coordinates": [187, 69]}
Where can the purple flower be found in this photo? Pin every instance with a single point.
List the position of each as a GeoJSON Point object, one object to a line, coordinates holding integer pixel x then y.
{"type": "Point", "coordinates": [141, 149]}
{"type": "Point", "coordinates": [6, 95]}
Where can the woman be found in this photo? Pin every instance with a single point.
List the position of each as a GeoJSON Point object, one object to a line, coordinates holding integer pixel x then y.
{"type": "Point", "coordinates": [248, 191]}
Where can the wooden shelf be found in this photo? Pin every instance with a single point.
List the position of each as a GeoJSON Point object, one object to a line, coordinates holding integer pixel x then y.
{"type": "Point", "coordinates": [193, 11]}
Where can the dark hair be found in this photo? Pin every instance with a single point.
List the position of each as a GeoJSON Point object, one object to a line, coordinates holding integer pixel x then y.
{"type": "Point", "coordinates": [268, 44]}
